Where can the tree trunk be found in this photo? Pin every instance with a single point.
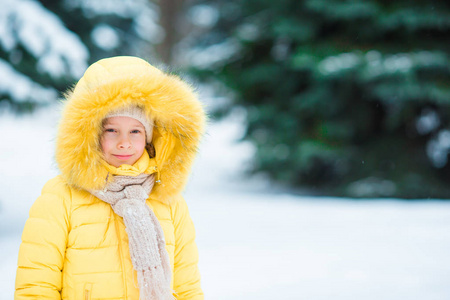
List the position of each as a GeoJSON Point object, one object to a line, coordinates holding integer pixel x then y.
{"type": "Point", "coordinates": [170, 11]}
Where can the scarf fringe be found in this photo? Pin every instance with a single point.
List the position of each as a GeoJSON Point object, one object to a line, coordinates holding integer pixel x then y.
{"type": "Point", "coordinates": [146, 279]}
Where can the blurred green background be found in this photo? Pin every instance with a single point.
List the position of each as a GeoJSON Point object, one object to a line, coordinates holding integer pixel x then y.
{"type": "Point", "coordinates": [343, 98]}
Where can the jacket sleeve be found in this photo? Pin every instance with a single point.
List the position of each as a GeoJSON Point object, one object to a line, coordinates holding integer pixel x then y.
{"type": "Point", "coordinates": [186, 276]}
{"type": "Point", "coordinates": [41, 253]}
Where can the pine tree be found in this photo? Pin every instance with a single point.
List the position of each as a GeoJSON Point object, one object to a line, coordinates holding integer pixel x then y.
{"type": "Point", "coordinates": [46, 45]}
{"type": "Point", "coordinates": [349, 97]}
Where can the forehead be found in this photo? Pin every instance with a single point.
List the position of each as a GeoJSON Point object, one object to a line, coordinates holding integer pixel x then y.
{"type": "Point", "coordinates": [122, 121]}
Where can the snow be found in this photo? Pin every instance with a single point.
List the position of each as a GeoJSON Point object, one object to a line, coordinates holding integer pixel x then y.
{"type": "Point", "coordinates": [42, 33]}
{"type": "Point", "coordinates": [256, 242]}
{"type": "Point", "coordinates": [143, 13]}
{"type": "Point", "coordinates": [428, 121]}
{"type": "Point", "coordinates": [375, 63]}
{"type": "Point", "coordinates": [438, 148]}
{"type": "Point", "coordinates": [216, 54]}
{"type": "Point", "coordinates": [203, 15]}
{"type": "Point", "coordinates": [105, 37]}
{"type": "Point", "coordinates": [124, 9]}
{"type": "Point", "coordinates": [147, 27]}
{"type": "Point", "coordinates": [21, 87]}
{"type": "Point", "coordinates": [248, 32]}
{"type": "Point", "coordinates": [333, 64]}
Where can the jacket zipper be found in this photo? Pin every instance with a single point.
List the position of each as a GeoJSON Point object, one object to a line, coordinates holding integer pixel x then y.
{"type": "Point", "coordinates": [87, 291]}
{"type": "Point", "coordinates": [116, 224]}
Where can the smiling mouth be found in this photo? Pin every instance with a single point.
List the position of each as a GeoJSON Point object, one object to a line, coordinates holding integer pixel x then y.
{"type": "Point", "coordinates": [124, 157]}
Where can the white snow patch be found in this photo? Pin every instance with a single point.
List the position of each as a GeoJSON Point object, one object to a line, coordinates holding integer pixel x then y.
{"type": "Point", "coordinates": [144, 14]}
{"type": "Point", "coordinates": [398, 63]}
{"type": "Point", "coordinates": [339, 62]}
{"type": "Point", "coordinates": [42, 33]}
{"type": "Point", "coordinates": [427, 121]}
{"type": "Point", "coordinates": [203, 15]}
{"type": "Point", "coordinates": [124, 9]}
{"type": "Point", "coordinates": [147, 27]}
{"type": "Point", "coordinates": [248, 31]}
{"type": "Point", "coordinates": [22, 88]}
{"type": "Point", "coordinates": [438, 148]}
{"type": "Point", "coordinates": [213, 55]}
{"type": "Point", "coordinates": [105, 37]}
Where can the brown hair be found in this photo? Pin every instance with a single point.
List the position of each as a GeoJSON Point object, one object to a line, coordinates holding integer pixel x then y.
{"type": "Point", "coordinates": [151, 150]}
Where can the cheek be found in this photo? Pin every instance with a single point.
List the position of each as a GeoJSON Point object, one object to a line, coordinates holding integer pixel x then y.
{"type": "Point", "coordinates": [139, 145]}
{"type": "Point", "coordinates": [105, 145]}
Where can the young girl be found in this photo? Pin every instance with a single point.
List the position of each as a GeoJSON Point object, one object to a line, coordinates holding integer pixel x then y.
{"type": "Point", "coordinates": [113, 225]}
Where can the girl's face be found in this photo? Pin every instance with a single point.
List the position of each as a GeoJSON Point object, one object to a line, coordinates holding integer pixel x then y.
{"type": "Point", "coordinates": [122, 140]}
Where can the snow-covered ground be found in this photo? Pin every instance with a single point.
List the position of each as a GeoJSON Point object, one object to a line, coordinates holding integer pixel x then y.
{"type": "Point", "coordinates": [256, 243]}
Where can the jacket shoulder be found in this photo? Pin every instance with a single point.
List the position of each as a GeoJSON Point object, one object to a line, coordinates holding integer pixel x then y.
{"type": "Point", "coordinates": [56, 183]}
{"type": "Point", "coordinates": [178, 205]}
{"type": "Point", "coordinates": [55, 193]}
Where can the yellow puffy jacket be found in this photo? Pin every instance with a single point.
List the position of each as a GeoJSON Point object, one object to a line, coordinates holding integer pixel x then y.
{"type": "Point", "coordinates": [74, 246]}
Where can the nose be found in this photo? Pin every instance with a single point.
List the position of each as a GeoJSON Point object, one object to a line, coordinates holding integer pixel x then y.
{"type": "Point", "coordinates": [124, 142]}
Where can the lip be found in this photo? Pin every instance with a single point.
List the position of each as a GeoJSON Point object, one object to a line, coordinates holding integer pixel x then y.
{"type": "Point", "coordinates": [122, 157]}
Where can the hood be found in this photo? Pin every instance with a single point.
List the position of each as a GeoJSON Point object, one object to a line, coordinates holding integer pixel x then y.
{"type": "Point", "coordinates": [111, 84]}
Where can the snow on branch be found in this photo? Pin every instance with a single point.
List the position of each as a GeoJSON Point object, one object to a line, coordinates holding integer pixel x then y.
{"type": "Point", "coordinates": [144, 13]}
{"type": "Point", "coordinates": [58, 51]}
{"type": "Point", "coordinates": [22, 88]}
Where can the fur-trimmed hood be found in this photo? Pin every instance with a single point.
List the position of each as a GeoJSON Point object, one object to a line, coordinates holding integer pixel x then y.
{"type": "Point", "coordinates": [111, 84]}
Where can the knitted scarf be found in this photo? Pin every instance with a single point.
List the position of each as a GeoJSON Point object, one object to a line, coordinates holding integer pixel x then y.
{"type": "Point", "coordinates": [127, 196]}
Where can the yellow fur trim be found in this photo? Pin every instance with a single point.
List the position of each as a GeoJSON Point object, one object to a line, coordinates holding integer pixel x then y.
{"type": "Point", "coordinates": [114, 83]}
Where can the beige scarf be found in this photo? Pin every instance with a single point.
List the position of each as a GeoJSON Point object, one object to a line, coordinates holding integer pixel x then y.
{"type": "Point", "coordinates": [127, 196]}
